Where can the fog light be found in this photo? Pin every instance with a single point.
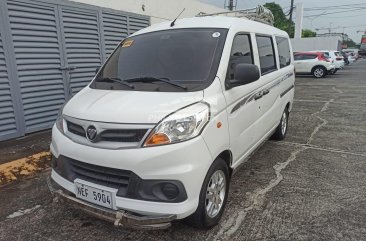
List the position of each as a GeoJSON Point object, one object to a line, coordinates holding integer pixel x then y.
{"type": "Point", "coordinates": [170, 190]}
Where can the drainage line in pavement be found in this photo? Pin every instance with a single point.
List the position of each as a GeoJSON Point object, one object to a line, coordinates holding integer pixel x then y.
{"type": "Point", "coordinates": [314, 147]}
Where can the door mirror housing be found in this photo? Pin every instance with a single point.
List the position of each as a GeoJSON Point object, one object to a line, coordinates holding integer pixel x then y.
{"type": "Point", "coordinates": [243, 74]}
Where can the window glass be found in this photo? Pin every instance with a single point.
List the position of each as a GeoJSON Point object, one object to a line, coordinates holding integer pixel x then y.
{"type": "Point", "coordinates": [311, 56]}
{"type": "Point", "coordinates": [186, 56]}
{"type": "Point", "coordinates": [266, 54]}
{"type": "Point", "coordinates": [284, 53]}
{"type": "Point", "coordinates": [241, 53]}
{"type": "Point", "coordinates": [298, 57]}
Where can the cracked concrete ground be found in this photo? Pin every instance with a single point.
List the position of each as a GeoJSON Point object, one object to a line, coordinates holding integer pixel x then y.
{"type": "Point", "coordinates": [309, 187]}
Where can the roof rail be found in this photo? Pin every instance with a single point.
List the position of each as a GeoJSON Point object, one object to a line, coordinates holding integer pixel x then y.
{"type": "Point", "coordinates": [259, 14]}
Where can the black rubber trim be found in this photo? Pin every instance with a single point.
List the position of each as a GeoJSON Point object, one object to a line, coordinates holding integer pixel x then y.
{"type": "Point", "coordinates": [286, 91]}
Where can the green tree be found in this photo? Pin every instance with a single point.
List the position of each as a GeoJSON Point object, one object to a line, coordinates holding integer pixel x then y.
{"type": "Point", "coordinates": [307, 33]}
{"type": "Point", "coordinates": [280, 19]}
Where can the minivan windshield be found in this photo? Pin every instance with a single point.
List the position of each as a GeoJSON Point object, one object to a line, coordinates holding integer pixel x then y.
{"type": "Point", "coordinates": [169, 60]}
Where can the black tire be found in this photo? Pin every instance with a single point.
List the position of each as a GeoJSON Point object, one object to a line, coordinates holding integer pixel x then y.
{"type": "Point", "coordinates": [200, 218]}
{"type": "Point", "coordinates": [281, 132]}
{"type": "Point", "coordinates": [319, 72]}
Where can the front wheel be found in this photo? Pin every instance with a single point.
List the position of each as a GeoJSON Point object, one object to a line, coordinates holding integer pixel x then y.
{"type": "Point", "coordinates": [213, 196]}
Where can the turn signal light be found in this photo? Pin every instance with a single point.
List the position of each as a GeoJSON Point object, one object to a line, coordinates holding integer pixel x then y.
{"type": "Point", "coordinates": [157, 139]}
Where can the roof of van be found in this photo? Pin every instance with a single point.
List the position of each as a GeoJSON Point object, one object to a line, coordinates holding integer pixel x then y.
{"type": "Point", "coordinates": [216, 22]}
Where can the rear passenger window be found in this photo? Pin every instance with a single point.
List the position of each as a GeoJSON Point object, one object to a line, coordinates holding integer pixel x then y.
{"type": "Point", "coordinates": [241, 53]}
{"type": "Point", "coordinates": [284, 53]}
{"type": "Point", "coordinates": [298, 57]}
{"type": "Point", "coordinates": [266, 54]}
{"type": "Point", "coordinates": [310, 56]}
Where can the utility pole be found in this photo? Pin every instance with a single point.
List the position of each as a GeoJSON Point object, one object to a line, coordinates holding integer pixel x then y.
{"type": "Point", "coordinates": [231, 5]}
{"type": "Point", "coordinates": [290, 20]}
{"type": "Point", "coordinates": [299, 19]}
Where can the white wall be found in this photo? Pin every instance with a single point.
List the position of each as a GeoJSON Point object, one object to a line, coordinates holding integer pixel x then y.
{"type": "Point", "coordinates": [158, 10]}
{"type": "Point", "coordinates": [316, 43]}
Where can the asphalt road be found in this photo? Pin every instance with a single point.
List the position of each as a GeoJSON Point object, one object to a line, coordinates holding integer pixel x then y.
{"type": "Point", "coordinates": [312, 186]}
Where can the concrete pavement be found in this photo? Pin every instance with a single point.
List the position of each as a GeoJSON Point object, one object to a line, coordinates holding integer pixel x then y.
{"type": "Point", "coordinates": [309, 187]}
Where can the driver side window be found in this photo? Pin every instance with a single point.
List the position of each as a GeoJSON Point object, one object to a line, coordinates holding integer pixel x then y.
{"type": "Point", "coordinates": [241, 53]}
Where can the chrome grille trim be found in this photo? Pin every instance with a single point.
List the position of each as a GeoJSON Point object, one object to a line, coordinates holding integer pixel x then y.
{"type": "Point", "coordinates": [75, 134]}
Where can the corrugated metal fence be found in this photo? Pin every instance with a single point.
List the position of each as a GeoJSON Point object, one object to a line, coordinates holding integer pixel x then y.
{"type": "Point", "coordinates": [49, 50]}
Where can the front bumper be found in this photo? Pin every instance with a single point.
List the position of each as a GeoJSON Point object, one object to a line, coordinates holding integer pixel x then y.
{"type": "Point", "coordinates": [187, 162]}
{"type": "Point", "coordinates": [120, 218]}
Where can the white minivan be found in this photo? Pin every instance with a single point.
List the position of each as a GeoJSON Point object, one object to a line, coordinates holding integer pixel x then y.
{"type": "Point", "coordinates": [174, 110]}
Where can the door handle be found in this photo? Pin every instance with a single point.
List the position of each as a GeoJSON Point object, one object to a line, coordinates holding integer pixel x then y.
{"type": "Point", "coordinates": [258, 95]}
{"type": "Point", "coordinates": [266, 91]}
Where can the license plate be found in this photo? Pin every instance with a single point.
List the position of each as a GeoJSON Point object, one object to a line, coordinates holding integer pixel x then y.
{"type": "Point", "coordinates": [94, 195]}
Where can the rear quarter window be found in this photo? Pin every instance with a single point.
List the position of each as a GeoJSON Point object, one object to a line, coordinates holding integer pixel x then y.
{"type": "Point", "coordinates": [284, 52]}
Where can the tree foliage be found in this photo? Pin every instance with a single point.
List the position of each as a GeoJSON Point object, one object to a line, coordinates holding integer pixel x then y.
{"type": "Point", "coordinates": [281, 21]}
{"type": "Point", "coordinates": [307, 33]}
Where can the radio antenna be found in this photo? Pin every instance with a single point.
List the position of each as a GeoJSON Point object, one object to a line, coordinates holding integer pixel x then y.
{"type": "Point", "coordinates": [173, 23]}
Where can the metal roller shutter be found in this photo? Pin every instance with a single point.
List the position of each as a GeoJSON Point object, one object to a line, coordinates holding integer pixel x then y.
{"type": "Point", "coordinates": [137, 23]}
{"type": "Point", "coordinates": [38, 61]}
{"type": "Point", "coordinates": [49, 51]}
{"type": "Point", "coordinates": [7, 117]}
{"type": "Point", "coordinates": [115, 30]}
{"type": "Point", "coordinates": [82, 45]}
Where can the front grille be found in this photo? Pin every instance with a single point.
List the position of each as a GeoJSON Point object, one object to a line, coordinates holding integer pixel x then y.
{"type": "Point", "coordinates": [112, 135]}
{"type": "Point", "coordinates": [105, 176]}
{"type": "Point", "coordinates": [75, 129]}
{"type": "Point", "coordinates": [128, 135]}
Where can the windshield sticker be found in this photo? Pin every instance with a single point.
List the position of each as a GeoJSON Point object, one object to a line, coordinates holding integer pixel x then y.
{"type": "Point", "coordinates": [216, 34]}
{"type": "Point", "coordinates": [127, 43]}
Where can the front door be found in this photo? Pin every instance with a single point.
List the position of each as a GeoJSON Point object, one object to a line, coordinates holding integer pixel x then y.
{"type": "Point", "coordinates": [242, 108]}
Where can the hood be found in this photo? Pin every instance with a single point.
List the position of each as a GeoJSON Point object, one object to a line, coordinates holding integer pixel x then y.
{"type": "Point", "coordinates": [133, 107]}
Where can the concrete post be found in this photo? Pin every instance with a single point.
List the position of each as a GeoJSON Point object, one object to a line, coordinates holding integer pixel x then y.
{"type": "Point", "coordinates": [299, 19]}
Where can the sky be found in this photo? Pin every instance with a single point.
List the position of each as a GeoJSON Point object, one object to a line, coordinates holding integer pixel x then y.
{"type": "Point", "coordinates": [349, 21]}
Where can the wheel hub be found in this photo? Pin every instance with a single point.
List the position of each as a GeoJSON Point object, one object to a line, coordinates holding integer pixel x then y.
{"type": "Point", "coordinates": [215, 194]}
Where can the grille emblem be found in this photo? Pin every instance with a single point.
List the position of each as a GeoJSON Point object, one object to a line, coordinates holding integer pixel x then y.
{"type": "Point", "coordinates": [91, 133]}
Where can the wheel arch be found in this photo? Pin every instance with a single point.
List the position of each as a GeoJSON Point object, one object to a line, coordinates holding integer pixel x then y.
{"type": "Point", "coordinates": [316, 66]}
{"type": "Point", "coordinates": [227, 156]}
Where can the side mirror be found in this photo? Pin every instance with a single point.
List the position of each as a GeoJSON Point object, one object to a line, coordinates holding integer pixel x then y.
{"type": "Point", "coordinates": [244, 74]}
{"type": "Point", "coordinates": [97, 70]}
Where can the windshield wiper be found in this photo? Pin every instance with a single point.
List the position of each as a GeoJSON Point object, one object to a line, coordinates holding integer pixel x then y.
{"type": "Point", "coordinates": [116, 80]}
{"type": "Point", "coordinates": [155, 79]}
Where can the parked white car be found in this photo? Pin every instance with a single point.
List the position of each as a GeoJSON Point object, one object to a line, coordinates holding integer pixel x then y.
{"type": "Point", "coordinates": [174, 110]}
{"type": "Point", "coordinates": [337, 58]}
{"type": "Point", "coordinates": [315, 63]}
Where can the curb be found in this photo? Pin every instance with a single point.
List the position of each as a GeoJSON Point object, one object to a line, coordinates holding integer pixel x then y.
{"type": "Point", "coordinates": [24, 167]}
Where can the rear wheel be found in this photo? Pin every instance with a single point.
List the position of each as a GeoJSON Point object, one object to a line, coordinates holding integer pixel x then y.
{"type": "Point", "coordinates": [213, 196]}
{"type": "Point", "coordinates": [281, 130]}
{"type": "Point", "coordinates": [319, 72]}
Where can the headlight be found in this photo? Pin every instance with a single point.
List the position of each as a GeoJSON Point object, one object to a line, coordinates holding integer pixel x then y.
{"type": "Point", "coordinates": [60, 123]}
{"type": "Point", "coordinates": [60, 119]}
{"type": "Point", "coordinates": [180, 126]}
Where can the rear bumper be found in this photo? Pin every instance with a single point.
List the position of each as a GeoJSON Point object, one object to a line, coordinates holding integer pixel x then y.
{"type": "Point", "coordinates": [120, 218]}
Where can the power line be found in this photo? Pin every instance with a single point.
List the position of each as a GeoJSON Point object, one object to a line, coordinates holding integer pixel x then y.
{"type": "Point", "coordinates": [334, 6]}
{"type": "Point", "coordinates": [315, 15]}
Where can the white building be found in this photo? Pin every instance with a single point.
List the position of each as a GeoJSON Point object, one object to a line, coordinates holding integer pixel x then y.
{"type": "Point", "coordinates": [157, 10]}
